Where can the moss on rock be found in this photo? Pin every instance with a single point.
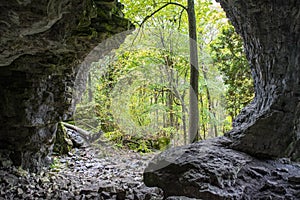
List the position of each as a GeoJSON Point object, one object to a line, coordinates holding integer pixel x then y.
{"type": "Point", "coordinates": [63, 143]}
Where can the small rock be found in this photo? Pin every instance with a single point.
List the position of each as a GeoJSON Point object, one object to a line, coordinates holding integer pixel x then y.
{"type": "Point", "coordinates": [11, 179]}
{"type": "Point", "coordinates": [285, 160]}
{"type": "Point", "coordinates": [105, 195]}
{"type": "Point", "coordinates": [77, 140]}
{"type": "Point", "coordinates": [89, 165]}
{"type": "Point", "coordinates": [70, 154]}
{"type": "Point", "coordinates": [7, 163]}
{"type": "Point", "coordinates": [20, 191]}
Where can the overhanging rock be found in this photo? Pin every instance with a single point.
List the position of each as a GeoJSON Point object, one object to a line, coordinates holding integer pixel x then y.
{"type": "Point", "coordinates": [45, 49]}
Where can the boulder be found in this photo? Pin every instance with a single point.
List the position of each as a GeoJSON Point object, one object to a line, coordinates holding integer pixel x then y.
{"type": "Point", "coordinates": [210, 170]}
{"type": "Point", "coordinates": [77, 139]}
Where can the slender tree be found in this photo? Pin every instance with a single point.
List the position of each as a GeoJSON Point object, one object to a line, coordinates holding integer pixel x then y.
{"type": "Point", "coordinates": [194, 74]}
{"type": "Point", "coordinates": [194, 71]}
{"type": "Point", "coordinates": [90, 88]}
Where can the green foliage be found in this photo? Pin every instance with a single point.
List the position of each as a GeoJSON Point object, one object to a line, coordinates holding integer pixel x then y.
{"type": "Point", "coordinates": [115, 136]}
{"type": "Point", "coordinates": [140, 94]}
{"type": "Point", "coordinates": [55, 165]}
{"type": "Point", "coordinates": [228, 55]}
{"type": "Point", "coordinates": [143, 144]}
{"type": "Point", "coordinates": [136, 11]}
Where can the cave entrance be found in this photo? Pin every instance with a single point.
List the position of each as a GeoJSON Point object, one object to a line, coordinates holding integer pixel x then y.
{"type": "Point", "coordinates": [137, 95]}
{"type": "Point", "coordinates": [135, 103]}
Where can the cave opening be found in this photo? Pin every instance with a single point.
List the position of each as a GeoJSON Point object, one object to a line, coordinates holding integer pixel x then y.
{"type": "Point", "coordinates": [45, 61]}
{"type": "Point", "coordinates": [137, 97]}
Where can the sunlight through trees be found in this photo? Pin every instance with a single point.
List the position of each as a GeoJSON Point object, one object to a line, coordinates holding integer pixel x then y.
{"type": "Point", "coordinates": [139, 95]}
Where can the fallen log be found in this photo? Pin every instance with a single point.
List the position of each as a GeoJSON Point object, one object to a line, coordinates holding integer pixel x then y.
{"type": "Point", "coordinates": [80, 131]}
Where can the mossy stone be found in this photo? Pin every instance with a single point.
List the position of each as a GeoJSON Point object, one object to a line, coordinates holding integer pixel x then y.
{"type": "Point", "coordinates": [63, 143]}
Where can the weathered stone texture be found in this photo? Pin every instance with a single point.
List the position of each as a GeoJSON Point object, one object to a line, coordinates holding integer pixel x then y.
{"type": "Point", "coordinates": [43, 49]}
{"type": "Point", "coordinates": [269, 126]}
{"type": "Point", "coordinates": [209, 170]}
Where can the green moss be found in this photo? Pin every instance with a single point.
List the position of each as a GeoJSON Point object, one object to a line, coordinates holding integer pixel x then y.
{"type": "Point", "coordinates": [55, 165]}
{"type": "Point", "coordinates": [84, 22]}
{"type": "Point", "coordinates": [94, 34]}
{"type": "Point", "coordinates": [63, 143]}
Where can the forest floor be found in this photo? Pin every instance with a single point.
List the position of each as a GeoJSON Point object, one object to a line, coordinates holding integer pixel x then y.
{"type": "Point", "coordinates": [101, 172]}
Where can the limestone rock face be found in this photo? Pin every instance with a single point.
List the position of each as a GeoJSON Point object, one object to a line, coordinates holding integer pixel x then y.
{"type": "Point", "coordinates": [210, 170]}
{"type": "Point", "coordinates": [46, 47]}
{"type": "Point", "coordinates": [269, 126]}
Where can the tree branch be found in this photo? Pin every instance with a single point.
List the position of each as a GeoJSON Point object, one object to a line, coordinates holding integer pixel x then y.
{"type": "Point", "coordinates": [180, 16]}
{"type": "Point", "coordinates": [159, 9]}
{"type": "Point", "coordinates": [155, 12]}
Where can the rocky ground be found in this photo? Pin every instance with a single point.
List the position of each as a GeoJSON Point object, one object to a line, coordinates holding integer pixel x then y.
{"type": "Point", "coordinates": [89, 173]}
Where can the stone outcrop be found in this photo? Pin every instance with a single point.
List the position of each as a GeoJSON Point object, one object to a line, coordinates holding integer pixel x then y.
{"type": "Point", "coordinates": [46, 48]}
{"type": "Point", "coordinates": [270, 125]}
{"type": "Point", "coordinates": [209, 170]}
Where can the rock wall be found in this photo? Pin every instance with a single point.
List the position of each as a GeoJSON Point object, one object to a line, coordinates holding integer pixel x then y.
{"type": "Point", "coordinates": [46, 48]}
{"type": "Point", "coordinates": [269, 126]}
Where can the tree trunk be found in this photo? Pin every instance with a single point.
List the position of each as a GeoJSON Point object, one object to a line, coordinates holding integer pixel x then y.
{"type": "Point", "coordinates": [194, 74]}
{"type": "Point", "coordinates": [90, 92]}
{"type": "Point", "coordinates": [170, 95]}
{"type": "Point", "coordinates": [202, 116]}
{"type": "Point", "coordinates": [270, 125]}
{"type": "Point", "coordinates": [184, 124]}
{"type": "Point", "coordinates": [212, 123]}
